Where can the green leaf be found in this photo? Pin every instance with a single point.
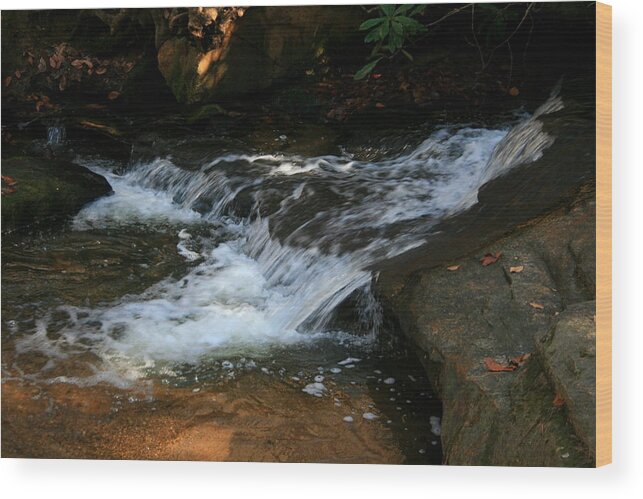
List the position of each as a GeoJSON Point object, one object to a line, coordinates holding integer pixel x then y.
{"type": "Point", "coordinates": [372, 36]}
{"type": "Point", "coordinates": [410, 24]}
{"type": "Point", "coordinates": [384, 29]}
{"type": "Point", "coordinates": [404, 8]}
{"type": "Point", "coordinates": [366, 70]}
{"type": "Point", "coordinates": [419, 9]}
{"type": "Point", "coordinates": [388, 9]}
{"type": "Point", "coordinates": [396, 40]}
{"type": "Point", "coordinates": [370, 23]}
{"type": "Point", "coordinates": [407, 55]}
{"type": "Point", "coordinates": [397, 27]}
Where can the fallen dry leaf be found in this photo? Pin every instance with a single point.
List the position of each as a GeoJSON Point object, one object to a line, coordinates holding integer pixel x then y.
{"type": "Point", "coordinates": [379, 105]}
{"type": "Point", "coordinates": [9, 180]}
{"type": "Point", "coordinates": [490, 258]}
{"type": "Point", "coordinates": [113, 95]}
{"type": "Point", "coordinates": [7, 81]}
{"type": "Point", "coordinates": [536, 305]}
{"type": "Point", "coordinates": [101, 71]}
{"type": "Point", "coordinates": [517, 269]}
{"type": "Point", "coordinates": [496, 367]}
{"type": "Point", "coordinates": [558, 400]}
{"type": "Point", "coordinates": [513, 91]}
{"type": "Point", "coordinates": [42, 65]}
{"type": "Point", "coordinates": [453, 267]}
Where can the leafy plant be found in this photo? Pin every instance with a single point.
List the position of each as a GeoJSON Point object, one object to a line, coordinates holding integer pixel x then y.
{"type": "Point", "coordinates": [389, 32]}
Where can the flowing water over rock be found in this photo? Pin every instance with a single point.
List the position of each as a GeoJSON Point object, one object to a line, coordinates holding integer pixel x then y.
{"type": "Point", "coordinates": [216, 279]}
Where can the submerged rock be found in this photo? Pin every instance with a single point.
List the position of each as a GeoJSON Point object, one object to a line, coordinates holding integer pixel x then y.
{"type": "Point", "coordinates": [501, 344]}
{"type": "Point", "coordinates": [46, 191]}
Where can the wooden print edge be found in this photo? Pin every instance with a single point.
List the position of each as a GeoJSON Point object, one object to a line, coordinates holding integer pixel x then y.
{"type": "Point", "coordinates": [603, 234]}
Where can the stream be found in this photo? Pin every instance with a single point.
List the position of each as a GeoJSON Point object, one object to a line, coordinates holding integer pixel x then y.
{"type": "Point", "coordinates": [224, 310]}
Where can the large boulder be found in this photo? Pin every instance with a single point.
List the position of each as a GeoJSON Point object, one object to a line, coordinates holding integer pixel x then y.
{"type": "Point", "coordinates": [264, 45]}
{"type": "Point", "coordinates": [43, 191]}
{"type": "Point", "coordinates": [506, 345]}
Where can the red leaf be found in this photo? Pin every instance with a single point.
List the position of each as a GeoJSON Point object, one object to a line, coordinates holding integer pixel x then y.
{"type": "Point", "coordinates": [490, 258]}
{"type": "Point", "coordinates": [496, 367]}
{"type": "Point", "coordinates": [9, 180]}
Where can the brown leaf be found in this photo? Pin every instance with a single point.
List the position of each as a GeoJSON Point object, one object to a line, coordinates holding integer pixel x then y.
{"type": "Point", "coordinates": [536, 305]}
{"type": "Point", "coordinates": [520, 360]}
{"type": "Point", "coordinates": [8, 190]}
{"type": "Point", "coordinates": [77, 63]}
{"type": "Point", "coordinates": [55, 61]}
{"type": "Point", "coordinates": [379, 105]}
{"type": "Point", "coordinates": [517, 269]}
{"type": "Point", "coordinates": [113, 95]}
{"type": "Point", "coordinates": [490, 258]}
{"type": "Point", "coordinates": [558, 400]}
{"type": "Point", "coordinates": [101, 71]}
{"type": "Point", "coordinates": [18, 73]}
{"type": "Point", "coordinates": [513, 91]}
{"type": "Point", "coordinates": [95, 106]}
{"type": "Point", "coordinates": [7, 81]}
{"type": "Point", "coordinates": [453, 268]}
{"type": "Point", "coordinates": [63, 83]}
{"type": "Point", "coordinates": [42, 65]}
{"type": "Point", "coordinates": [496, 367]}
{"type": "Point", "coordinates": [9, 180]}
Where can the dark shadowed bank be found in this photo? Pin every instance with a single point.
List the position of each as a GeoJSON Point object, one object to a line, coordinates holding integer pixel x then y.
{"type": "Point", "coordinates": [122, 83]}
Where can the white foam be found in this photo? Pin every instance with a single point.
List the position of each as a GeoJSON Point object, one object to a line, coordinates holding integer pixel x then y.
{"type": "Point", "coordinates": [315, 389]}
{"type": "Point", "coordinates": [436, 429]}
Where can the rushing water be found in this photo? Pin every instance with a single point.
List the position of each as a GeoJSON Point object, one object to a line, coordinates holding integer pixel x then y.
{"type": "Point", "coordinates": [265, 247]}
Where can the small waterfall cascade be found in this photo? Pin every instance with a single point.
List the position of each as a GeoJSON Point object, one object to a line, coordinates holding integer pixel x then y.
{"type": "Point", "coordinates": [276, 242]}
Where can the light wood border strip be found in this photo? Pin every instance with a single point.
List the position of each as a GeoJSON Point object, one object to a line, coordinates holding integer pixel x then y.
{"type": "Point", "coordinates": [603, 234]}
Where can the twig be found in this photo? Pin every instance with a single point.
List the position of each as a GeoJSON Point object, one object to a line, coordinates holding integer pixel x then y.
{"type": "Point", "coordinates": [475, 38]}
{"type": "Point", "coordinates": [449, 14]}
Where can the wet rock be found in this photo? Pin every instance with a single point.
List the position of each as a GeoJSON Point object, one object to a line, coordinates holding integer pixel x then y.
{"type": "Point", "coordinates": [47, 191]}
{"type": "Point", "coordinates": [460, 318]}
{"type": "Point", "coordinates": [569, 358]}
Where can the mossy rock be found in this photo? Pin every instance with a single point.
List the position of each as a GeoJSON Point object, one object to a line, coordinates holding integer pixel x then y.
{"type": "Point", "coordinates": [47, 191]}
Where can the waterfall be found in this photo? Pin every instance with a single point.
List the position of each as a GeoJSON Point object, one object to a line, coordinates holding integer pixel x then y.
{"type": "Point", "coordinates": [283, 240]}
